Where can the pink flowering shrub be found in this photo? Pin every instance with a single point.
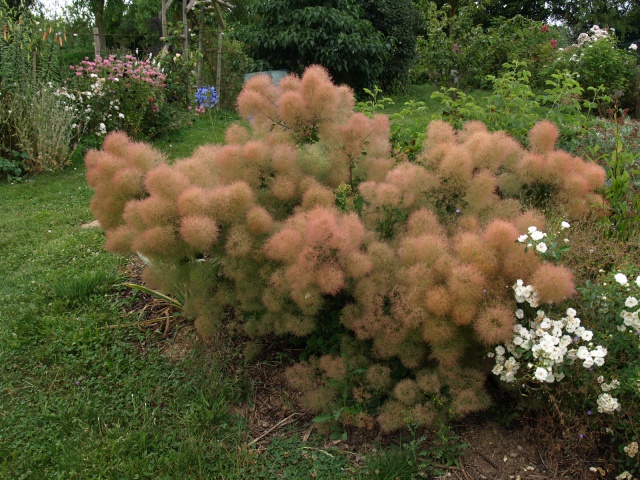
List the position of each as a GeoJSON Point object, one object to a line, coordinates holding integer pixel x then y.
{"type": "Point", "coordinates": [118, 94]}
{"type": "Point", "coordinates": [306, 226]}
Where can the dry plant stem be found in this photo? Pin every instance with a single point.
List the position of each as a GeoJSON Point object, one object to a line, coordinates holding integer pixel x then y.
{"type": "Point", "coordinates": [281, 423]}
{"type": "Point", "coordinates": [559, 412]}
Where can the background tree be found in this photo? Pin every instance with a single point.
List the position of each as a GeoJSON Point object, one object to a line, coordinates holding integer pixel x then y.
{"type": "Point", "coordinates": [399, 21]}
{"type": "Point", "coordinates": [580, 15]}
{"type": "Point", "coordinates": [292, 34]}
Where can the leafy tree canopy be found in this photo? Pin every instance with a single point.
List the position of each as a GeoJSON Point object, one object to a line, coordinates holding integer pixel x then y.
{"type": "Point", "coordinates": [580, 15]}
{"type": "Point", "coordinates": [292, 34]}
{"type": "Point", "coordinates": [399, 21]}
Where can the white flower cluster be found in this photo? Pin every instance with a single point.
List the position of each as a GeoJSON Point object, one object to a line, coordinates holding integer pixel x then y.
{"type": "Point", "coordinates": [525, 293]}
{"type": "Point", "coordinates": [633, 47]}
{"type": "Point", "coordinates": [607, 387]}
{"type": "Point", "coordinates": [549, 344]}
{"type": "Point", "coordinates": [607, 403]}
{"type": "Point", "coordinates": [534, 236]}
{"type": "Point", "coordinates": [631, 449]}
{"type": "Point", "coordinates": [597, 33]}
{"type": "Point", "coordinates": [630, 318]}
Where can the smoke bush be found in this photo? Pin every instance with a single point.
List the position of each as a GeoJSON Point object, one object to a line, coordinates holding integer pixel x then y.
{"type": "Point", "coordinates": [304, 223]}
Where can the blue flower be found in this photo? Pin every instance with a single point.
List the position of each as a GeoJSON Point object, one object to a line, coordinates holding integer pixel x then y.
{"type": "Point", "coordinates": [207, 97]}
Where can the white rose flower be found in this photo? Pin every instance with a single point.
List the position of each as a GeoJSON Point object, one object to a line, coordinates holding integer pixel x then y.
{"type": "Point", "coordinates": [541, 247]}
{"type": "Point", "coordinates": [631, 302]}
{"type": "Point", "coordinates": [538, 235]}
{"type": "Point", "coordinates": [632, 448]}
{"type": "Point", "coordinates": [541, 374]}
{"type": "Point", "coordinates": [621, 278]}
{"type": "Point", "coordinates": [564, 225]}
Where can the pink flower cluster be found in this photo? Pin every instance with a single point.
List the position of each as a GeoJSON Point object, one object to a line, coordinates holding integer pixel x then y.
{"type": "Point", "coordinates": [114, 69]}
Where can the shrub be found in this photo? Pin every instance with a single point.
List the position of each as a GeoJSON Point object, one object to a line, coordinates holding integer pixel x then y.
{"type": "Point", "coordinates": [456, 51]}
{"type": "Point", "coordinates": [29, 52]}
{"type": "Point", "coordinates": [307, 227]}
{"type": "Point", "coordinates": [42, 124]}
{"type": "Point", "coordinates": [399, 22]}
{"type": "Point", "coordinates": [118, 94]}
{"type": "Point", "coordinates": [513, 106]}
{"type": "Point", "coordinates": [597, 61]}
{"type": "Point", "coordinates": [611, 305]}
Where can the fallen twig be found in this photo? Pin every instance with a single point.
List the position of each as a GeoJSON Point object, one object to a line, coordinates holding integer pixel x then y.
{"type": "Point", "coordinates": [281, 423]}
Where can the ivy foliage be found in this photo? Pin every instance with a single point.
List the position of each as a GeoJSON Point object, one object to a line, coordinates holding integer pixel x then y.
{"type": "Point", "coordinates": [292, 34]}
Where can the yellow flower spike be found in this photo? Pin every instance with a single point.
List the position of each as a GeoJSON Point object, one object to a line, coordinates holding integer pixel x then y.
{"type": "Point", "coordinates": [44, 37]}
{"type": "Point", "coordinates": [60, 41]}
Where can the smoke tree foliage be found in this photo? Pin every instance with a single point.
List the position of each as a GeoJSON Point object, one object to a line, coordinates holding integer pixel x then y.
{"type": "Point", "coordinates": [305, 217]}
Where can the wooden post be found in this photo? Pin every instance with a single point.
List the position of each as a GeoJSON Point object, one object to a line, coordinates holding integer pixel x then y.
{"type": "Point", "coordinates": [221, 26]}
{"type": "Point", "coordinates": [200, 47]}
{"type": "Point", "coordinates": [185, 27]}
{"type": "Point", "coordinates": [96, 41]}
{"type": "Point", "coordinates": [163, 19]}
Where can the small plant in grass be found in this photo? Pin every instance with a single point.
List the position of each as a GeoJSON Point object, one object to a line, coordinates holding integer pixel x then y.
{"type": "Point", "coordinates": [431, 454]}
{"type": "Point", "coordinates": [304, 220]}
{"type": "Point", "coordinates": [373, 104]}
{"type": "Point", "coordinates": [79, 288]}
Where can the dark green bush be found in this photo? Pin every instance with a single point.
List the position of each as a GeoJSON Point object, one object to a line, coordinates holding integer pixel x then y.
{"type": "Point", "coordinates": [399, 21]}
{"type": "Point", "coordinates": [293, 34]}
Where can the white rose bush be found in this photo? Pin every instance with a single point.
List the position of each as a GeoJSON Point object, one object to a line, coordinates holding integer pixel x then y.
{"type": "Point", "coordinates": [590, 372]}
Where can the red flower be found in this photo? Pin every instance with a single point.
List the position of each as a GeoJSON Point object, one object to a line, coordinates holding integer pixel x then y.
{"type": "Point", "coordinates": [544, 28]}
{"type": "Point", "coordinates": [554, 43]}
